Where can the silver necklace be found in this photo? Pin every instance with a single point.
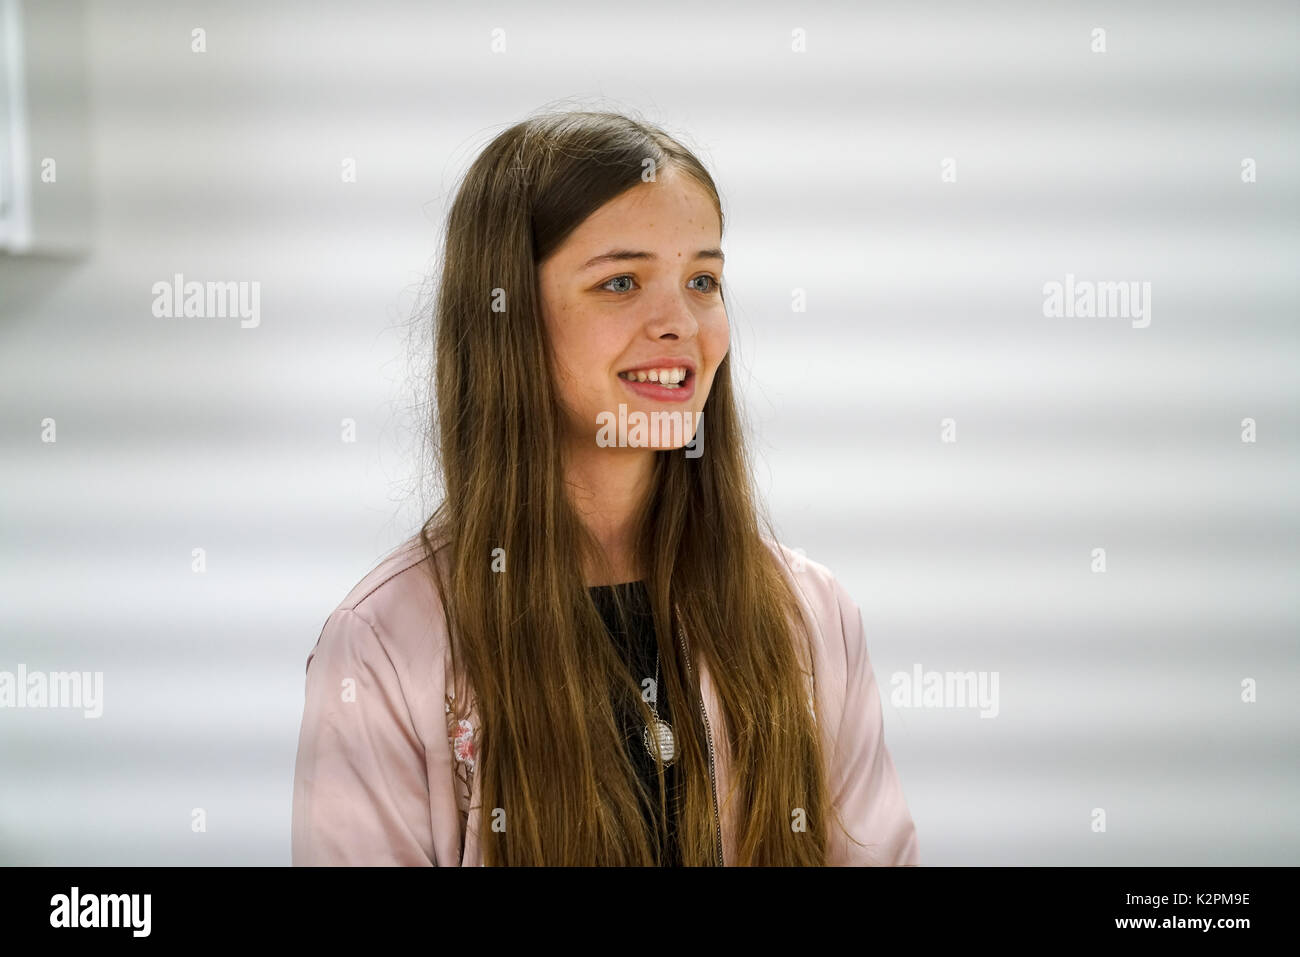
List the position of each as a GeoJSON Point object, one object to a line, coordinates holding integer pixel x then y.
{"type": "Point", "coordinates": [658, 735]}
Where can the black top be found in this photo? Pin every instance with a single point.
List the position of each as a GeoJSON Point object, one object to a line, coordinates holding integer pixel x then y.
{"type": "Point", "coordinates": [640, 650]}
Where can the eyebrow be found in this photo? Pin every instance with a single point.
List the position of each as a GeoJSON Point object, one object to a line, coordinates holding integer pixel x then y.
{"type": "Point", "coordinates": [623, 255]}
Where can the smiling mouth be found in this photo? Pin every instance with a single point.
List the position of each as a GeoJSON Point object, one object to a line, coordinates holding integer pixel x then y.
{"type": "Point", "coordinates": [673, 377]}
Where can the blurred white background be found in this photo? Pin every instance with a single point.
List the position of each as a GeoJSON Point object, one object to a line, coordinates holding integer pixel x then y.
{"type": "Point", "coordinates": [1119, 690]}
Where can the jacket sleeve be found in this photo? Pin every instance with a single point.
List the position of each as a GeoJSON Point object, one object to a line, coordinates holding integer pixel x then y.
{"type": "Point", "coordinates": [360, 791]}
{"type": "Point", "coordinates": [868, 794]}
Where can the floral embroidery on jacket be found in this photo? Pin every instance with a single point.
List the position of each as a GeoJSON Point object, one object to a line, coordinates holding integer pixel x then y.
{"type": "Point", "coordinates": [463, 743]}
{"type": "Point", "coordinates": [464, 748]}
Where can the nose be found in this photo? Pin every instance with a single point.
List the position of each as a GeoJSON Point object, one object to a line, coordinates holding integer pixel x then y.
{"type": "Point", "coordinates": [672, 317]}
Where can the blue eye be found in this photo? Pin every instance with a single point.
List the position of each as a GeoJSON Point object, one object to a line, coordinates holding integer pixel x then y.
{"type": "Point", "coordinates": [616, 279]}
{"type": "Point", "coordinates": [713, 283]}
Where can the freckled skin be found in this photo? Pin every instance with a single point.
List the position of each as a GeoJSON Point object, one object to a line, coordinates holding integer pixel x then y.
{"type": "Point", "coordinates": [597, 332]}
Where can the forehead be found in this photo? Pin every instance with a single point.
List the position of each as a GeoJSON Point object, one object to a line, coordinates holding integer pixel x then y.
{"type": "Point", "coordinates": [673, 214]}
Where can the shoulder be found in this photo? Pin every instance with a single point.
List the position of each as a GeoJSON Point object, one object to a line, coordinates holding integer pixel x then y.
{"type": "Point", "coordinates": [395, 606]}
{"type": "Point", "coordinates": [399, 576]}
{"type": "Point", "coordinates": [826, 601]}
{"type": "Point", "coordinates": [838, 645]}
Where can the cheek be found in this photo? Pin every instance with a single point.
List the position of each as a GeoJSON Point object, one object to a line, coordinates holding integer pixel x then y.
{"type": "Point", "coordinates": [584, 359]}
{"type": "Point", "coordinates": [568, 342]}
{"type": "Point", "coordinates": [716, 338]}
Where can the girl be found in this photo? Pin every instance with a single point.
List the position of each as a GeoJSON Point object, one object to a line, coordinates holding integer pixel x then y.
{"type": "Point", "coordinates": [591, 653]}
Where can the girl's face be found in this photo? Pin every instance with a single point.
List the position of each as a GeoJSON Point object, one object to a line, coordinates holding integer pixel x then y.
{"type": "Point", "coordinates": [634, 293]}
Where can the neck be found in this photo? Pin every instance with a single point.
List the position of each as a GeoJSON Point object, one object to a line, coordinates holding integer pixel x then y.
{"type": "Point", "coordinates": [609, 489]}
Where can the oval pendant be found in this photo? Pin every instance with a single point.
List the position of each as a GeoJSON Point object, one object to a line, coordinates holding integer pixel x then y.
{"type": "Point", "coordinates": [659, 740]}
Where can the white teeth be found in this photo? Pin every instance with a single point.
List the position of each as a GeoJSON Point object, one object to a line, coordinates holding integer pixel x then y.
{"type": "Point", "coordinates": [665, 377]}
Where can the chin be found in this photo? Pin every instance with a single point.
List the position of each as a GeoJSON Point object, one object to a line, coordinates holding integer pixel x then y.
{"type": "Point", "coordinates": [649, 426]}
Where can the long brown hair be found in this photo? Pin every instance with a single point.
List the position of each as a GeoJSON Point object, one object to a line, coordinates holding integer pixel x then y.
{"type": "Point", "coordinates": [529, 638]}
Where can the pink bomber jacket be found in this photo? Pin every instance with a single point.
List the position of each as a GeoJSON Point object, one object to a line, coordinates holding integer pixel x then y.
{"type": "Point", "coordinates": [385, 764]}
